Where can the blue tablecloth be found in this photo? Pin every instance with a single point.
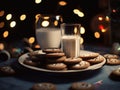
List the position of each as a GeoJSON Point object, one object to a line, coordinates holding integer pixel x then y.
{"type": "Point", "coordinates": [25, 78]}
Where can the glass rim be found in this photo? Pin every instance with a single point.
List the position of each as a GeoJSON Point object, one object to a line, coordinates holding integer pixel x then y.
{"type": "Point", "coordinates": [70, 24]}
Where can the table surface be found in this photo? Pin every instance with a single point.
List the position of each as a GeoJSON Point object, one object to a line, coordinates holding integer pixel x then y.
{"type": "Point", "coordinates": [25, 77]}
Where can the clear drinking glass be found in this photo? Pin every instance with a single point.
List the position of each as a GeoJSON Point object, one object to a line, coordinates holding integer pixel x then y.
{"type": "Point", "coordinates": [48, 32]}
{"type": "Point", "coordinates": [70, 40]}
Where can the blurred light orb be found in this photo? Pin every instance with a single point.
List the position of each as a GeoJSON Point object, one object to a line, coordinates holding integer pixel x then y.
{"type": "Point", "coordinates": [31, 40]}
{"type": "Point", "coordinates": [12, 24]}
{"type": "Point", "coordinates": [38, 1]}
{"type": "Point", "coordinates": [2, 12]}
{"type": "Point", "coordinates": [2, 24]}
{"type": "Point", "coordinates": [37, 17]}
{"type": "Point", "coordinates": [97, 35]}
{"type": "Point", "coordinates": [82, 30]}
{"type": "Point", "coordinates": [107, 18]}
{"type": "Point", "coordinates": [2, 46]}
{"type": "Point", "coordinates": [45, 23]}
{"type": "Point", "coordinates": [62, 3]}
{"type": "Point", "coordinates": [75, 11]}
{"type": "Point", "coordinates": [81, 40]}
{"type": "Point", "coordinates": [8, 16]}
{"type": "Point", "coordinates": [100, 18]}
{"type": "Point", "coordinates": [37, 46]}
{"type": "Point", "coordinates": [78, 12]}
{"type": "Point", "coordinates": [56, 23]}
{"type": "Point", "coordinates": [81, 14]}
{"type": "Point", "coordinates": [5, 34]}
{"type": "Point", "coordinates": [22, 17]}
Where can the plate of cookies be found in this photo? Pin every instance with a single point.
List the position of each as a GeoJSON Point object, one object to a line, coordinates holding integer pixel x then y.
{"type": "Point", "coordinates": [54, 60]}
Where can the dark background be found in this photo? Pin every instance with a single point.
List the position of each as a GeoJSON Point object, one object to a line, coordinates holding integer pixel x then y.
{"type": "Point", "coordinates": [26, 28]}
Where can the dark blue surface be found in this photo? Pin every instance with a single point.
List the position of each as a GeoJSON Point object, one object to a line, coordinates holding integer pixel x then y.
{"type": "Point", "coordinates": [25, 78]}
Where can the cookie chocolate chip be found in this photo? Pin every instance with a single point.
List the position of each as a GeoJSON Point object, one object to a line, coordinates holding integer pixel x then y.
{"type": "Point", "coordinates": [82, 86]}
{"type": "Point", "coordinates": [44, 86]}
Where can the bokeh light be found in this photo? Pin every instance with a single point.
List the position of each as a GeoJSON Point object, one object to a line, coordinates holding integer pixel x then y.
{"type": "Point", "coordinates": [45, 23]}
{"type": "Point", "coordinates": [31, 40]}
{"type": "Point", "coordinates": [81, 40]}
{"type": "Point", "coordinates": [62, 3]}
{"type": "Point", "coordinates": [22, 17]}
{"type": "Point", "coordinates": [38, 1]}
{"type": "Point", "coordinates": [2, 46]}
{"type": "Point", "coordinates": [2, 12]}
{"type": "Point", "coordinates": [8, 16]}
{"type": "Point", "coordinates": [5, 34]}
{"type": "Point", "coordinates": [82, 30]}
{"type": "Point", "coordinates": [12, 24]}
{"type": "Point", "coordinates": [97, 35]}
{"type": "Point", "coordinates": [2, 24]}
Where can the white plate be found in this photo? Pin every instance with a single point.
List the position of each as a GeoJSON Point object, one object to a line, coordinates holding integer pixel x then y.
{"type": "Point", "coordinates": [92, 67]}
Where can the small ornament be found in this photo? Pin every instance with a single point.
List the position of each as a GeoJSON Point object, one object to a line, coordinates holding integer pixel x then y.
{"type": "Point", "coordinates": [4, 55]}
{"type": "Point", "coordinates": [116, 48]}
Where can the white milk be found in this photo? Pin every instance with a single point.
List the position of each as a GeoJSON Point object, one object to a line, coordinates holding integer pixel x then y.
{"type": "Point", "coordinates": [71, 45]}
{"type": "Point", "coordinates": [48, 37]}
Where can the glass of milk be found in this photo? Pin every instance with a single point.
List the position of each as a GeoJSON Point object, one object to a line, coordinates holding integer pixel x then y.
{"type": "Point", "coordinates": [70, 39]}
{"type": "Point", "coordinates": [48, 32]}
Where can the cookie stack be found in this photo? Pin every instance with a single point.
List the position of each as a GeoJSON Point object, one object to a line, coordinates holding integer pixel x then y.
{"type": "Point", "coordinates": [112, 59]}
{"type": "Point", "coordinates": [55, 59]}
{"type": "Point", "coordinates": [91, 57]}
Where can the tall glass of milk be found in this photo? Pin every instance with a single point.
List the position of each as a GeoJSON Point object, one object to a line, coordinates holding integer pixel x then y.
{"type": "Point", "coordinates": [70, 39]}
{"type": "Point", "coordinates": [48, 32]}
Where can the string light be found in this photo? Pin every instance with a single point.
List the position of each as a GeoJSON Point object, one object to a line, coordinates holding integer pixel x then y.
{"type": "Point", "coordinates": [5, 34]}
{"type": "Point", "coordinates": [12, 24]}
{"type": "Point", "coordinates": [8, 16]}
{"type": "Point", "coordinates": [2, 12]}
{"type": "Point", "coordinates": [97, 35]}
{"type": "Point", "coordinates": [22, 17]}
{"type": "Point", "coordinates": [62, 3]}
{"type": "Point", "coordinates": [38, 1]}
{"type": "Point", "coordinates": [2, 24]}
{"type": "Point", "coordinates": [45, 23]}
{"type": "Point", "coordinates": [82, 30]}
{"type": "Point", "coordinates": [31, 40]}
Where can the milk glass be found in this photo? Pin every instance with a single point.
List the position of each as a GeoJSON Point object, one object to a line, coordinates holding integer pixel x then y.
{"type": "Point", "coordinates": [48, 32]}
{"type": "Point", "coordinates": [70, 40]}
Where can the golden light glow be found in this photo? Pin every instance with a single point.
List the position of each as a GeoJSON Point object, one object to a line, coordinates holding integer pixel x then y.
{"type": "Point", "coordinates": [37, 46]}
{"type": "Point", "coordinates": [1, 46]}
{"type": "Point", "coordinates": [107, 18]}
{"type": "Point", "coordinates": [58, 17]}
{"type": "Point", "coordinates": [2, 12]}
{"type": "Point", "coordinates": [31, 40]}
{"type": "Point", "coordinates": [75, 11]}
{"type": "Point", "coordinates": [100, 18]}
{"type": "Point", "coordinates": [81, 40]}
{"type": "Point", "coordinates": [62, 3]}
{"type": "Point", "coordinates": [46, 17]}
{"type": "Point", "coordinates": [97, 35]}
{"type": "Point", "coordinates": [38, 1]}
{"type": "Point", "coordinates": [82, 30]}
{"type": "Point", "coordinates": [2, 24]}
{"type": "Point", "coordinates": [12, 24]}
{"type": "Point", "coordinates": [55, 22]}
{"type": "Point", "coordinates": [45, 23]}
{"type": "Point", "coordinates": [22, 17]}
{"type": "Point", "coordinates": [103, 30]}
{"type": "Point", "coordinates": [75, 30]}
{"type": "Point", "coordinates": [9, 16]}
{"type": "Point", "coordinates": [114, 10]}
{"type": "Point", "coordinates": [37, 17]}
{"type": "Point", "coordinates": [81, 14]}
{"type": "Point", "coordinates": [5, 34]}
{"type": "Point", "coordinates": [78, 12]}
